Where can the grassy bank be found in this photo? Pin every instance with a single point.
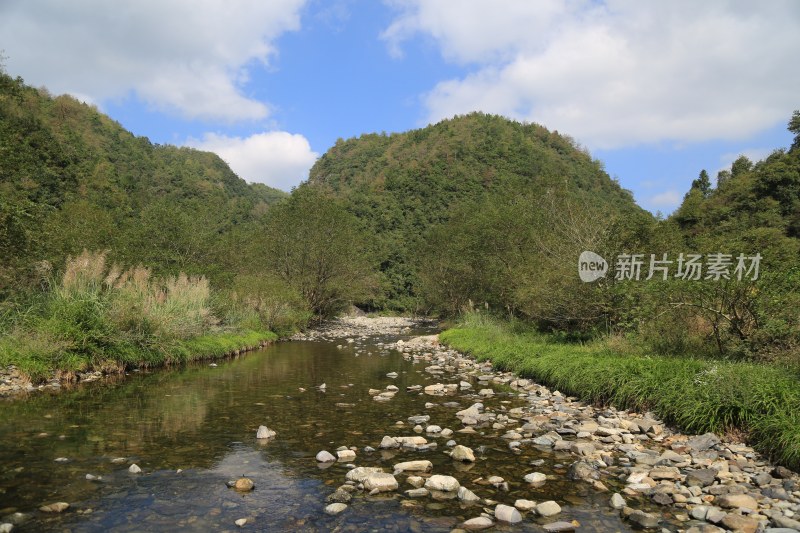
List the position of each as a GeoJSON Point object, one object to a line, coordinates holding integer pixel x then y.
{"type": "Point", "coordinates": [101, 317]}
{"type": "Point", "coordinates": [696, 395]}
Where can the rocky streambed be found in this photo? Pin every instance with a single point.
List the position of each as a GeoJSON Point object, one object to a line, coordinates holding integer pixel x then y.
{"type": "Point", "coordinates": [368, 424]}
{"type": "Point", "coordinates": [655, 477]}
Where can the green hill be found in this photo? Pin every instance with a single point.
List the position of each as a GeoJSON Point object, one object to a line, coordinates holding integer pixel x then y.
{"type": "Point", "coordinates": [403, 185]}
{"type": "Point", "coordinates": [72, 178]}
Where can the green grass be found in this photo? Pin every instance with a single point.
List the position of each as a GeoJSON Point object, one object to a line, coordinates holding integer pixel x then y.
{"type": "Point", "coordinates": [696, 395]}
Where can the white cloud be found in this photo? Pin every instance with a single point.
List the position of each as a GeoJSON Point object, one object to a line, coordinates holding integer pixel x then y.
{"type": "Point", "coordinates": [186, 56]}
{"type": "Point", "coordinates": [277, 158]}
{"type": "Point", "coordinates": [615, 73]}
{"type": "Point", "coordinates": [665, 200]}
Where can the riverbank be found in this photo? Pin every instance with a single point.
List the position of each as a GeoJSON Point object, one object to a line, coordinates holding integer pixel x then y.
{"type": "Point", "coordinates": [759, 402]}
{"type": "Point", "coordinates": [23, 373]}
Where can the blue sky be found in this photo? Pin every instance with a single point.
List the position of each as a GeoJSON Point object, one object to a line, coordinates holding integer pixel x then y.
{"type": "Point", "coordinates": [656, 90]}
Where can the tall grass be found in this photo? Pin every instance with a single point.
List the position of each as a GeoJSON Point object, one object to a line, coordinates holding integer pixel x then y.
{"type": "Point", "coordinates": [99, 316]}
{"type": "Point", "coordinates": [697, 395]}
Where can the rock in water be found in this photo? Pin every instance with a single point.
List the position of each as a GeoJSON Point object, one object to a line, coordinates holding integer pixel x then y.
{"type": "Point", "coordinates": [380, 481]}
{"type": "Point", "coordinates": [335, 508]}
{"type": "Point", "coordinates": [535, 477]}
{"type": "Point", "coordinates": [264, 433]}
{"type": "Point", "coordinates": [617, 501]}
{"type": "Point", "coordinates": [414, 466]}
{"type": "Point", "coordinates": [462, 453]}
{"type": "Point", "coordinates": [244, 484]}
{"type": "Point", "coordinates": [474, 524]}
{"type": "Point", "coordinates": [506, 513]}
{"type": "Point", "coordinates": [548, 508]}
{"type": "Point", "coordinates": [644, 520]}
{"type": "Point", "coordinates": [241, 522]}
{"type": "Point", "coordinates": [134, 469]}
{"type": "Point", "coordinates": [325, 457]}
{"type": "Point", "coordinates": [346, 455]}
{"type": "Point", "coordinates": [442, 483]}
{"type": "Point", "coordinates": [466, 495]}
{"type": "Point", "coordinates": [58, 507]}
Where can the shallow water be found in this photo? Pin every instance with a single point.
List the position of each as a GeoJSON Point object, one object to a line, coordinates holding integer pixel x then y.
{"type": "Point", "coordinates": [203, 420]}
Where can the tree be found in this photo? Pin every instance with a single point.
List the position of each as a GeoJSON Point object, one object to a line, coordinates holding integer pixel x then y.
{"type": "Point", "coordinates": [702, 183]}
{"type": "Point", "coordinates": [794, 127]}
{"type": "Point", "coordinates": [317, 248]}
{"type": "Point", "coordinates": [741, 166]}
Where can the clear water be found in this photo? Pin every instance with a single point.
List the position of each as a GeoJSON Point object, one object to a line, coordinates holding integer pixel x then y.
{"type": "Point", "coordinates": [203, 420]}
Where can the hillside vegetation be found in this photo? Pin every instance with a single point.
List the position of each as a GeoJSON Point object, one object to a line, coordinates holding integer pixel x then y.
{"type": "Point", "coordinates": [403, 185]}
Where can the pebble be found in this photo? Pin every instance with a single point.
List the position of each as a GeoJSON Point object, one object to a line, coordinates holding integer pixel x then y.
{"type": "Point", "coordinates": [58, 507]}
{"type": "Point", "coordinates": [265, 433]}
{"type": "Point", "coordinates": [462, 453]}
{"type": "Point", "coordinates": [475, 524]}
{"type": "Point", "coordinates": [241, 522]}
{"type": "Point", "coordinates": [134, 469]}
{"type": "Point", "coordinates": [535, 477]}
{"type": "Point", "coordinates": [244, 484]}
{"type": "Point", "coordinates": [442, 483]}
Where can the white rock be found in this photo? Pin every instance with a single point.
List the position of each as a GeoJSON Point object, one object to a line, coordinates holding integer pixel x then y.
{"type": "Point", "coordinates": [335, 508]}
{"type": "Point", "coordinates": [325, 456]}
{"type": "Point", "coordinates": [134, 469]}
{"type": "Point", "coordinates": [264, 433]}
{"type": "Point", "coordinates": [241, 522]}
{"type": "Point", "coordinates": [536, 477]}
{"type": "Point", "coordinates": [462, 453]}
{"type": "Point", "coordinates": [480, 522]}
{"type": "Point", "coordinates": [466, 495]}
{"type": "Point", "coordinates": [617, 501]}
{"type": "Point", "coordinates": [6, 528]}
{"type": "Point", "coordinates": [548, 508]}
{"type": "Point", "coordinates": [380, 481]}
{"type": "Point", "coordinates": [346, 455]}
{"type": "Point", "coordinates": [413, 466]}
{"type": "Point", "coordinates": [442, 483]}
{"type": "Point", "coordinates": [506, 513]}
{"type": "Point", "coordinates": [525, 505]}
{"type": "Point", "coordinates": [360, 473]}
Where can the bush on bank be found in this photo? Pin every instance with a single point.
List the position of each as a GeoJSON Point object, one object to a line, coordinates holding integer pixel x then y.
{"type": "Point", "coordinates": [697, 395]}
{"type": "Point", "coordinates": [107, 318]}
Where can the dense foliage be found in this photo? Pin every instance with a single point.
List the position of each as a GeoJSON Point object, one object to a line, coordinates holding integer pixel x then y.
{"type": "Point", "coordinates": [402, 185]}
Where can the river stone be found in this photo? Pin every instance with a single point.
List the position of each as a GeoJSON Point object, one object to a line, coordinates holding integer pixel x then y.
{"type": "Point", "coordinates": [380, 481]}
{"type": "Point", "coordinates": [264, 433]}
{"type": "Point", "coordinates": [360, 473]}
{"type": "Point", "coordinates": [442, 483]}
{"type": "Point", "coordinates": [417, 493]}
{"type": "Point", "coordinates": [763, 479]}
{"type": "Point", "coordinates": [581, 470]}
{"type": "Point", "coordinates": [506, 513]}
{"type": "Point", "coordinates": [548, 508]}
{"type": "Point", "coordinates": [419, 419]}
{"type": "Point", "coordinates": [244, 484]}
{"type": "Point", "coordinates": [702, 477]}
{"type": "Point", "coordinates": [665, 472]}
{"type": "Point", "coordinates": [617, 501]}
{"type": "Point", "coordinates": [325, 457]}
{"type": "Point", "coordinates": [781, 472]}
{"type": "Point", "coordinates": [58, 507]}
{"type": "Point", "coordinates": [786, 522]}
{"type": "Point", "coordinates": [388, 442]}
{"type": "Point", "coordinates": [644, 520]}
{"type": "Point", "coordinates": [6, 528]}
{"type": "Point", "coordinates": [525, 505]}
{"type": "Point", "coordinates": [741, 501]}
{"type": "Point", "coordinates": [414, 466]}
{"type": "Point", "coordinates": [335, 508]}
{"type": "Point", "coordinates": [241, 522]}
{"type": "Point", "coordinates": [715, 515]}
{"type": "Point", "coordinates": [702, 443]}
{"type": "Point", "coordinates": [559, 527]}
{"type": "Point", "coordinates": [415, 481]}
{"type": "Point", "coordinates": [480, 522]}
{"type": "Point", "coordinates": [339, 496]}
{"type": "Point", "coordinates": [739, 523]}
{"type": "Point", "coordinates": [462, 453]}
{"type": "Point", "coordinates": [411, 441]}
{"type": "Point", "coordinates": [134, 469]}
{"type": "Point", "coordinates": [466, 495]}
{"type": "Point", "coordinates": [535, 477]}
{"type": "Point", "coordinates": [346, 455]}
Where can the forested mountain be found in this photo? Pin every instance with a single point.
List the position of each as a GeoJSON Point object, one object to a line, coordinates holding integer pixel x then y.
{"type": "Point", "coordinates": [402, 185]}
{"type": "Point", "coordinates": [72, 178]}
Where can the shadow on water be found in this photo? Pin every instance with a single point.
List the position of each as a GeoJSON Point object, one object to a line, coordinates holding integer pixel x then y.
{"type": "Point", "coordinates": [203, 419]}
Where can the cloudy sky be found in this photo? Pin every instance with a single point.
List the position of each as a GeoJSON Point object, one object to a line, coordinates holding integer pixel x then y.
{"type": "Point", "coordinates": [657, 90]}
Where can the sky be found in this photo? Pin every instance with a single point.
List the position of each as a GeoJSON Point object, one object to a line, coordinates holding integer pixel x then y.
{"type": "Point", "coordinates": [655, 90]}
